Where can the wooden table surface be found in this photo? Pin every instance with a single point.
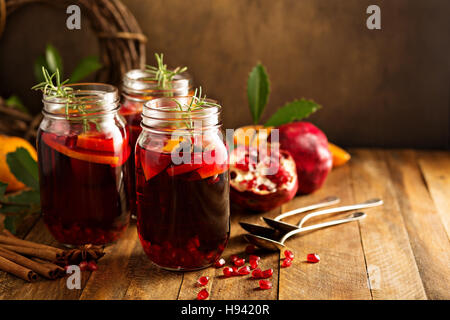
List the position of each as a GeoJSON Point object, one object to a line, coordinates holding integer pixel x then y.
{"type": "Point", "coordinates": [400, 251]}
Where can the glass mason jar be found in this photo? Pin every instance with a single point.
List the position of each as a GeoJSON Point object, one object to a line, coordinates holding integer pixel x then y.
{"type": "Point", "coordinates": [83, 149]}
{"type": "Point", "coordinates": [182, 182]}
{"type": "Point", "coordinates": [137, 88]}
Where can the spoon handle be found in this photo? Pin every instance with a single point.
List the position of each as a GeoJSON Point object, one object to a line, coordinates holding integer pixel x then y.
{"type": "Point", "coordinates": [328, 201]}
{"type": "Point", "coordinates": [352, 217]}
{"type": "Point", "coordinates": [366, 204]}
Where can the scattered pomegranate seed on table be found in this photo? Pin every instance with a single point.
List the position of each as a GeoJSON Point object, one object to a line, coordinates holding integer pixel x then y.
{"type": "Point", "coordinates": [267, 273]}
{"type": "Point", "coordinates": [228, 271]}
{"type": "Point", "coordinates": [286, 263]}
{"type": "Point", "coordinates": [254, 264]}
{"type": "Point", "coordinates": [203, 281]}
{"type": "Point", "coordinates": [233, 258]}
{"type": "Point", "coordinates": [219, 263]}
{"type": "Point", "coordinates": [265, 284]}
{"type": "Point", "coordinates": [244, 270]}
{"type": "Point", "coordinates": [203, 294]}
{"type": "Point", "coordinates": [239, 262]}
{"type": "Point", "coordinates": [92, 266]}
{"type": "Point", "coordinates": [235, 271]}
{"type": "Point", "coordinates": [313, 258]}
{"type": "Point", "coordinates": [254, 258]}
{"type": "Point", "coordinates": [257, 273]}
{"type": "Point", "coordinates": [83, 265]}
{"type": "Point", "coordinates": [289, 254]}
{"type": "Point", "coordinates": [250, 249]}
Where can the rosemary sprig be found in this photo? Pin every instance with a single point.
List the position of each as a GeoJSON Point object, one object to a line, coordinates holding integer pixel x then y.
{"type": "Point", "coordinates": [52, 86]}
{"type": "Point", "coordinates": [162, 74]}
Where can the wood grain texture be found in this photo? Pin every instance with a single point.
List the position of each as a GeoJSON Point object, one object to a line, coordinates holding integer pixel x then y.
{"type": "Point", "coordinates": [427, 234]}
{"type": "Point", "coordinates": [435, 168]}
{"type": "Point", "coordinates": [341, 273]}
{"type": "Point", "coordinates": [391, 267]}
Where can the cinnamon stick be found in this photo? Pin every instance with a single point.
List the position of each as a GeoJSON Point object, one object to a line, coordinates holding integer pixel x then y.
{"type": "Point", "coordinates": [42, 253]}
{"type": "Point", "coordinates": [17, 270]}
{"type": "Point", "coordinates": [52, 252]}
{"type": "Point", "coordinates": [44, 270]}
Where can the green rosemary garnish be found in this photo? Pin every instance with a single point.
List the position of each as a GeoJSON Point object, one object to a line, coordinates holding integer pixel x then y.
{"type": "Point", "coordinates": [52, 86]}
{"type": "Point", "coordinates": [163, 75]}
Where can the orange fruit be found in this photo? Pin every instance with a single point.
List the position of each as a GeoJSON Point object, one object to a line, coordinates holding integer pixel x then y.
{"type": "Point", "coordinates": [251, 135]}
{"type": "Point", "coordinates": [10, 144]}
{"type": "Point", "coordinates": [340, 156]}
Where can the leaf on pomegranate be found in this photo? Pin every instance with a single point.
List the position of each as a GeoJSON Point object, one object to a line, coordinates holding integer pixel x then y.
{"type": "Point", "coordinates": [258, 90]}
{"type": "Point", "coordinates": [292, 111]}
{"type": "Point", "coordinates": [24, 167]}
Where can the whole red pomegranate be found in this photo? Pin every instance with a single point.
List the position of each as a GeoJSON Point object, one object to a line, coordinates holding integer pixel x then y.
{"type": "Point", "coordinates": [308, 145]}
{"type": "Point", "coordinates": [262, 182]}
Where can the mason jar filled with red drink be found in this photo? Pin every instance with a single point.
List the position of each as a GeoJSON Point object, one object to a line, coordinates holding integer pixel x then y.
{"type": "Point", "coordinates": [182, 183]}
{"type": "Point", "coordinates": [83, 149]}
{"type": "Point", "coordinates": [139, 86]}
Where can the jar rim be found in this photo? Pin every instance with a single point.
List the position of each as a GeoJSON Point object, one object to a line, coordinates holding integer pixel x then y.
{"type": "Point", "coordinates": [140, 80]}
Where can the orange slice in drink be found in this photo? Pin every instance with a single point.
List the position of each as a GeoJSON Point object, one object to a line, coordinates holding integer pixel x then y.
{"type": "Point", "coordinates": [84, 155]}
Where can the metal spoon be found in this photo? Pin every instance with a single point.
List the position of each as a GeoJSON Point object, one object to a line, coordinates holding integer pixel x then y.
{"type": "Point", "coordinates": [273, 245]}
{"type": "Point", "coordinates": [287, 227]}
{"type": "Point", "coordinates": [264, 231]}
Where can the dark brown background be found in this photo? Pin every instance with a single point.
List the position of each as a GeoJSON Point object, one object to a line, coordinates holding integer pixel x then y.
{"type": "Point", "coordinates": [386, 87]}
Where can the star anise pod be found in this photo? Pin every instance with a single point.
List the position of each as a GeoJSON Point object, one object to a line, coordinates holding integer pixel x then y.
{"type": "Point", "coordinates": [87, 252]}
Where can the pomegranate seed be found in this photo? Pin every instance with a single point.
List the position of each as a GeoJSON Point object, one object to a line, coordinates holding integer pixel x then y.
{"type": "Point", "coordinates": [233, 258]}
{"type": "Point", "coordinates": [83, 265]}
{"type": "Point", "coordinates": [235, 271]}
{"type": "Point", "coordinates": [227, 271]}
{"type": "Point", "coordinates": [66, 268]}
{"type": "Point", "coordinates": [92, 266]}
{"type": "Point", "coordinates": [267, 273]}
{"type": "Point", "coordinates": [253, 258]}
{"type": "Point", "coordinates": [244, 270]}
{"type": "Point", "coordinates": [289, 254]}
{"type": "Point", "coordinates": [254, 264]}
{"type": "Point", "coordinates": [220, 263]}
{"type": "Point", "coordinates": [250, 249]}
{"type": "Point", "coordinates": [257, 273]}
{"type": "Point", "coordinates": [265, 284]}
{"type": "Point", "coordinates": [203, 281]}
{"type": "Point", "coordinates": [239, 262]}
{"type": "Point", "coordinates": [313, 258]}
{"type": "Point", "coordinates": [203, 294]}
{"type": "Point", "coordinates": [286, 263]}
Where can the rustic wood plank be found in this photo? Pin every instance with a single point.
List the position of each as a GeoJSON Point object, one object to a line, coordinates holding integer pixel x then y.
{"type": "Point", "coordinates": [392, 269]}
{"type": "Point", "coordinates": [341, 273]}
{"type": "Point", "coordinates": [14, 288]}
{"type": "Point", "coordinates": [149, 282]}
{"type": "Point", "coordinates": [435, 168]}
{"type": "Point", "coordinates": [239, 287]}
{"type": "Point", "coordinates": [429, 240]}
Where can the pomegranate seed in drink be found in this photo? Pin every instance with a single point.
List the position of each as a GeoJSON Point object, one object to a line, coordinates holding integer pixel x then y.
{"type": "Point", "coordinates": [250, 249]}
{"type": "Point", "coordinates": [286, 263]}
{"type": "Point", "coordinates": [313, 258]}
{"type": "Point", "coordinates": [289, 254]}
{"type": "Point", "coordinates": [265, 284]}
{"type": "Point", "coordinates": [244, 270]}
{"type": "Point", "coordinates": [83, 265]}
{"type": "Point", "coordinates": [267, 273]}
{"type": "Point", "coordinates": [239, 262]}
{"type": "Point", "coordinates": [203, 281]}
{"type": "Point", "coordinates": [257, 273]}
{"type": "Point", "coordinates": [203, 294]}
{"type": "Point", "coordinates": [228, 271]}
{"type": "Point", "coordinates": [220, 263]}
{"type": "Point", "coordinates": [92, 266]}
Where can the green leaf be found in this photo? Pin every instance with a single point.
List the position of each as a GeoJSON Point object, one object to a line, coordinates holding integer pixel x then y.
{"type": "Point", "coordinates": [25, 202]}
{"type": "Point", "coordinates": [3, 187]}
{"type": "Point", "coordinates": [37, 68]}
{"type": "Point", "coordinates": [291, 111]}
{"type": "Point", "coordinates": [86, 66]}
{"type": "Point", "coordinates": [53, 59]}
{"type": "Point", "coordinates": [24, 167]}
{"type": "Point", "coordinates": [10, 223]}
{"type": "Point", "coordinates": [258, 90]}
{"type": "Point", "coordinates": [15, 102]}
